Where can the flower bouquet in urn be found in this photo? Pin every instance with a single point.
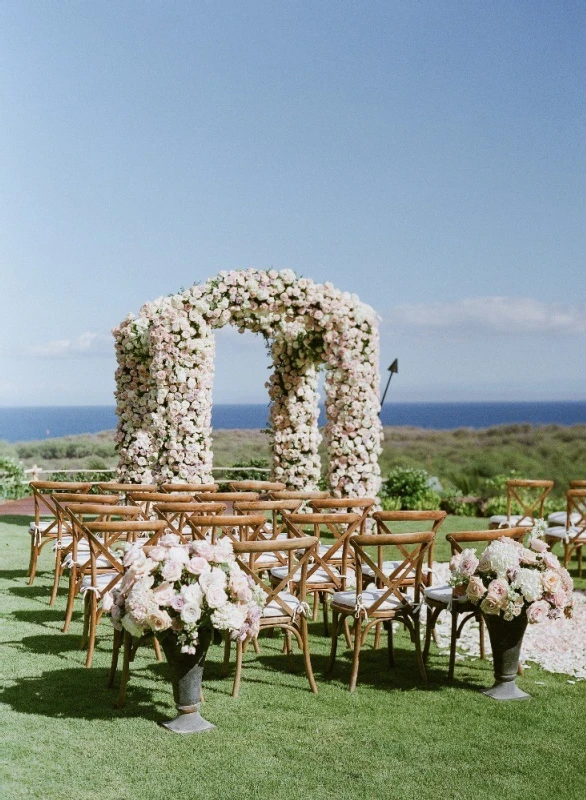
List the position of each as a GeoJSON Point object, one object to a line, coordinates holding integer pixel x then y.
{"type": "Point", "coordinates": [512, 585]}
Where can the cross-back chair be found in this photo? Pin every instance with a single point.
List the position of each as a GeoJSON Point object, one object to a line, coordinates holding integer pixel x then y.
{"type": "Point", "coordinates": [105, 566]}
{"type": "Point", "coordinates": [78, 559]}
{"type": "Point", "coordinates": [43, 531]}
{"type": "Point", "coordinates": [237, 527]}
{"type": "Point", "coordinates": [441, 597]}
{"type": "Point", "coordinates": [282, 609]}
{"type": "Point", "coordinates": [573, 533]}
{"type": "Point", "coordinates": [299, 494]}
{"type": "Point", "coordinates": [63, 545]}
{"type": "Point", "coordinates": [529, 496]}
{"type": "Point", "coordinates": [146, 500]}
{"type": "Point", "coordinates": [177, 514]}
{"type": "Point", "coordinates": [225, 497]}
{"type": "Point", "coordinates": [331, 563]}
{"type": "Point", "coordinates": [274, 511]}
{"type": "Point", "coordinates": [122, 489]}
{"type": "Point", "coordinates": [386, 600]}
{"type": "Point", "coordinates": [190, 488]}
{"type": "Point", "coordinates": [262, 487]}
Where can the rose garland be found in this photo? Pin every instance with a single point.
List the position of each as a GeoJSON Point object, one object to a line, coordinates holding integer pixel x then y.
{"type": "Point", "coordinates": [166, 368]}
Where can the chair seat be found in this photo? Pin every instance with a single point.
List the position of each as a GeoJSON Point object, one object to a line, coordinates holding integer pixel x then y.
{"type": "Point", "coordinates": [269, 558]}
{"type": "Point", "coordinates": [273, 609]}
{"type": "Point", "coordinates": [388, 568]}
{"type": "Point", "coordinates": [442, 593]}
{"type": "Point", "coordinates": [560, 532]}
{"type": "Point", "coordinates": [101, 561]}
{"type": "Point", "coordinates": [369, 598]}
{"type": "Point", "coordinates": [560, 517]}
{"type": "Point", "coordinates": [502, 521]}
{"type": "Point", "coordinates": [101, 580]}
{"type": "Point", "coordinates": [42, 526]}
{"type": "Point", "coordinates": [319, 576]}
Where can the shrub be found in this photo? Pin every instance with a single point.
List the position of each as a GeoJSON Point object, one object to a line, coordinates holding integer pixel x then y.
{"type": "Point", "coordinates": [13, 482]}
{"type": "Point", "coordinates": [409, 488]}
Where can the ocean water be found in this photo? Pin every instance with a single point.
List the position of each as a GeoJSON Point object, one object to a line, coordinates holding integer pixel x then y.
{"type": "Point", "coordinates": [26, 424]}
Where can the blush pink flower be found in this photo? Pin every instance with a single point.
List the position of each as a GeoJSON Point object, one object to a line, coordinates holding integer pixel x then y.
{"type": "Point", "coordinates": [538, 611]}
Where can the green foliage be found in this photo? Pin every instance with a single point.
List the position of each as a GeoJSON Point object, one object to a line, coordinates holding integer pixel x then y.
{"type": "Point", "coordinates": [246, 473]}
{"type": "Point", "coordinates": [68, 447]}
{"type": "Point", "coordinates": [410, 488]}
{"type": "Point", "coordinates": [13, 481]}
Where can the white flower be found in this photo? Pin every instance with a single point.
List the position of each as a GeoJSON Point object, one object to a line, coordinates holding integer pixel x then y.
{"type": "Point", "coordinates": [529, 583]}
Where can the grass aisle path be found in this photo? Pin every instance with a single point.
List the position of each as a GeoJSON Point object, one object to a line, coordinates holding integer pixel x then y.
{"type": "Point", "coordinates": [393, 738]}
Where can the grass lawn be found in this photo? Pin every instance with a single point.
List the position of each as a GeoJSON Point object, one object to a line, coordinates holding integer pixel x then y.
{"type": "Point", "coordinates": [392, 738]}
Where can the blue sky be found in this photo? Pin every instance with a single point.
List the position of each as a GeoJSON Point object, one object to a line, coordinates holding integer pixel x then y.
{"type": "Point", "coordinates": [428, 156]}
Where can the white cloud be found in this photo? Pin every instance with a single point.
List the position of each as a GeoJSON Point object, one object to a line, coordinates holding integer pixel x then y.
{"type": "Point", "coordinates": [490, 315]}
{"type": "Point", "coordinates": [87, 344]}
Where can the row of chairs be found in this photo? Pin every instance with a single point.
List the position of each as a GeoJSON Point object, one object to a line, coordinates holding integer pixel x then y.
{"type": "Point", "coordinates": [335, 562]}
{"type": "Point", "coordinates": [527, 498]}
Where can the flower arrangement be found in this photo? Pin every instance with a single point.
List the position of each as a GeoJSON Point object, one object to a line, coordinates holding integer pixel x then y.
{"type": "Point", "coordinates": [166, 369]}
{"type": "Point", "coordinates": [183, 588]}
{"type": "Point", "coordinates": [510, 579]}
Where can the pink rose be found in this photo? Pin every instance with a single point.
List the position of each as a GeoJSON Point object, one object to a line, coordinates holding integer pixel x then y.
{"type": "Point", "coordinates": [177, 602]}
{"type": "Point", "coordinates": [498, 590]}
{"type": "Point", "coordinates": [159, 621]}
{"type": "Point", "coordinates": [475, 589]}
{"type": "Point", "coordinates": [468, 563]}
{"type": "Point", "coordinates": [528, 557]}
{"type": "Point", "coordinates": [157, 553]}
{"type": "Point", "coordinates": [537, 612]}
{"type": "Point", "coordinates": [164, 593]}
{"type": "Point", "coordinates": [107, 602]}
{"type": "Point", "coordinates": [171, 570]}
{"type": "Point", "coordinates": [196, 565]}
{"type": "Point", "coordinates": [559, 599]}
{"type": "Point", "coordinates": [551, 561]}
{"type": "Point", "coordinates": [552, 581]}
{"type": "Point", "coordinates": [538, 545]}
{"type": "Point", "coordinates": [216, 596]}
{"type": "Point", "coordinates": [490, 606]}
{"type": "Point", "coordinates": [205, 550]}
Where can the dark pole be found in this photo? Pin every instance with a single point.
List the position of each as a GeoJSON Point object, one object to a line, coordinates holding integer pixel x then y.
{"type": "Point", "coordinates": [392, 369]}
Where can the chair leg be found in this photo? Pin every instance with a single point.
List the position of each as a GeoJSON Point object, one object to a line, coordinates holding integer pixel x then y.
{"type": "Point", "coordinates": [482, 642]}
{"type": "Point", "coordinates": [256, 645]}
{"type": "Point", "coordinates": [117, 643]}
{"type": "Point", "coordinates": [32, 569]}
{"type": "Point", "coordinates": [324, 601]}
{"type": "Point", "coordinates": [125, 670]}
{"type": "Point", "coordinates": [391, 652]}
{"type": "Point", "coordinates": [236, 687]}
{"type": "Point", "coordinates": [429, 626]}
{"type": "Point", "coordinates": [579, 549]}
{"type": "Point", "coordinates": [70, 600]}
{"type": "Point", "coordinates": [57, 578]}
{"type": "Point", "coordinates": [86, 622]}
{"type": "Point", "coordinates": [93, 628]}
{"type": "Point", "coordinates": [377, 635]}
{"type": "Point", "coordinates": [356, 658]}
{"type": "Point", "coordinates": [226, 662]}
{"type": "Point", "coordinates": [418, 652]}
{"type": "Point", "coordinates": [157, 648]}
{"type": "Point", "coordinates": [334, 645]}
{"type": "Point", "coordinates": [289, 649]}
{"type": "Point", "coordinates": [347, 632]}
{"type": "Point", "coordinates": [306, 655]}
{"type": "Point", "coordinates": [453, 641]}
{"type": "Point", "coordinates": [315, 607]}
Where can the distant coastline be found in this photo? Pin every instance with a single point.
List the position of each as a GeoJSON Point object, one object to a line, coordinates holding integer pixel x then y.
{"type": "Point", "coordinates": [43, 422]}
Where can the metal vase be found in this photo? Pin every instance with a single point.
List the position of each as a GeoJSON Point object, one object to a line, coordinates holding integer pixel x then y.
{"type": "Point", "coordinates": [506, 637]}
{"type": "Point", "coordinates": [186, 674]}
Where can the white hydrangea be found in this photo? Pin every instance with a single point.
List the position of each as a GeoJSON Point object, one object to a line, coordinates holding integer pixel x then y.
{"type": "Point", "coordinates": [529, 583]}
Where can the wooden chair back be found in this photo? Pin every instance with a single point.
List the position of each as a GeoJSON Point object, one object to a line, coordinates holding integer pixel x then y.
{"type": "Point", "coordinates": [274, 511]}
{"type": "Point", "coordinates": [262, 487]}
{"type": "Point", "coordinates": [339, 525]}
{"type": "Point", "coordinates": [190, 488]}
{"type": "Point", "coordinates": [345, 505]}
{"type": "Point", "coordinates": [122, 489]}
{"type": "Point", "coordinates": [576, 505]}
{"type": "Point", "coordinates": [303, 547]}
{"type": "Point", "coordinates": [460, 538]}
{"type": "Point", "coordinates": [225, 497]}
{"type": "Point", "coordinates": [530, 496]}
{"type": "Point", "coordinates": [412, 549]}
{"type": "Point", "coordinates": [577, 484]}
{"type": "Point", "coordinates": [177, 514]}
{"type": "Point", "coordinates": [237, 527]}
{"type": "Point", "coordinates": [385, 519]}
{"type": "Point", "coordinates": [146, 500]}
{"type": "Point", "coordinates": [44, 494]}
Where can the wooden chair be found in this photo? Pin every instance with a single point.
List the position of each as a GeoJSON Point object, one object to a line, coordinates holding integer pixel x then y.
{"type": "Point", "coordinates": [329, 570]}
{"type": "Point", "coordinates": [43, 531]}
{"type": "Point", "coordinates": [63, 545]}
{"type": "Point", "coordinates": [237, 527]}
{"type": "Point", "coordinates": [262, 487]}
{"type": "Point", "coordinates": [122, 489]}
{"type": "Point", "coordinates": [441, 598]}
{"type": "Point", "coordinates": [347, 505]}
{"type": "Point", "coordinates": [385, 521]}
{"type": "Point", "coordinates": [386, 601]}
{"type": "Point", "coordinates": [573, 533]}
{"type": "Point", "coordinates": [225, 497]}
{"type": "Point", "coordinates": [146, 500]}
{"type": "Point", "coordinates": [530, 496]}
{"type": "Point", "coordinates": [78, 560]}
{"type": "Point", "coordinates": [282, 609]}
{"type": "Point", "coordinates": [177, 514]}
{"type": "Point", "coordinates": [102, 577]}
{"type": "Point", "coordinates": [299, 494]}
{"type": "Point", "coordinates": [274, 511]}
{"type": "Point", "coordinates": [190, 488]}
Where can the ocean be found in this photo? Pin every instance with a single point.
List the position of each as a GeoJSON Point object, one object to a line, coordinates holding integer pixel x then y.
{"type": "Point", "coordinates": [31, 423]}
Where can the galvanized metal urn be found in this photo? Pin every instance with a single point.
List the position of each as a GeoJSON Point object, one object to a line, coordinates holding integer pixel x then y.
{"type": "Point", "coordinates": [506, 637]}
{"type": "Point", "coordinates": [186, 676]}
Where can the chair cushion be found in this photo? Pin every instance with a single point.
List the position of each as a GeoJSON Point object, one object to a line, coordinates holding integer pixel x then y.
{"type": "Point", "coordinates": [268, 558]}
{"type": "Point", "coordinates": [42, 526]}
{"type": "Point", "coordinates": [101, 580]}
{"type": "Point", "coordinates": [319, 576]}
{"type": "Point", "coordinates": [560, 517]}
{"type": "Point", "coordinates": [556, 532]}
{"type": "Point", "coordinates": [273, 609]}
{"type": "Point", "coordinates": [442, 593]}
{"type": "Point", "coordinates": [502, 521]}
{"type": "Point", "coordinates": [388, 568]}
{"type": "Point", "coordinates": [369, 597]}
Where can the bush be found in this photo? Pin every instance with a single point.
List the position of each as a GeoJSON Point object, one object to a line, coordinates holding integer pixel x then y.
{"type": "Point", "coordinates": [409, 489]}
{"type": "Point", "coordinates": [13, 482]}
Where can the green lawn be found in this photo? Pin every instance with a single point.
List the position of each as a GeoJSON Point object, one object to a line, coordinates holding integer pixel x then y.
{"type": "Point", "coordinates": [393, 738]}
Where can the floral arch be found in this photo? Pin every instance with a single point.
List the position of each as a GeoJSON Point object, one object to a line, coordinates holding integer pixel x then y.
{"type": "Point", "coordinates": [166, 369]}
